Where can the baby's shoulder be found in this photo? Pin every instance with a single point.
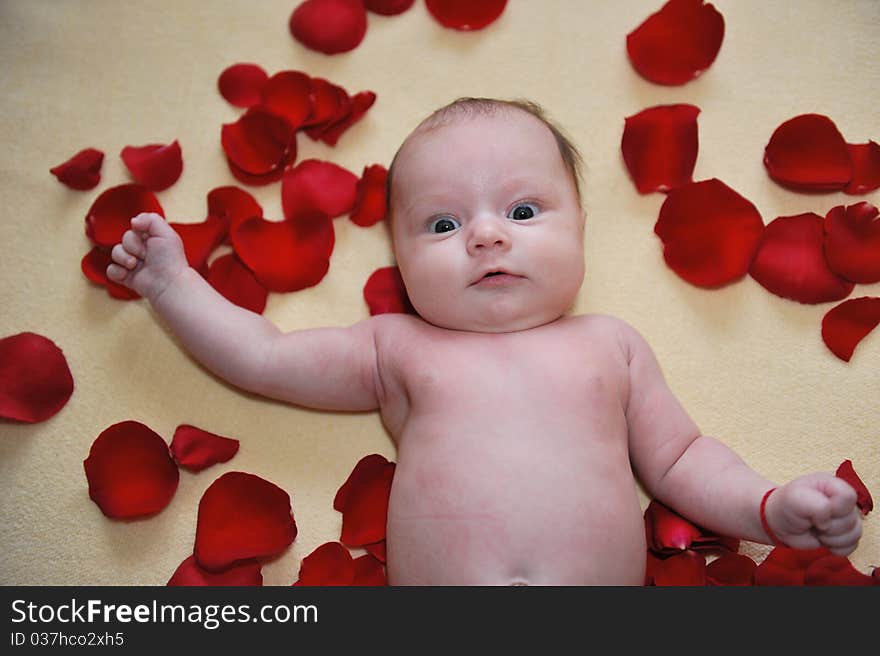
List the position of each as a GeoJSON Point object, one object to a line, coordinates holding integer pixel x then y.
{"type": "Point", "coordinates": [612, 331]}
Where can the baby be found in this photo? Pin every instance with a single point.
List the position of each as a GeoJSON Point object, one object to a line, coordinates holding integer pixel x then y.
{"type": "Point", "coordinates": [520, 430]}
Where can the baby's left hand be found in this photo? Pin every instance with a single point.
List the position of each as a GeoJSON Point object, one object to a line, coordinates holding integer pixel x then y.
{"type": "Point", "coordinates": [813, 511]}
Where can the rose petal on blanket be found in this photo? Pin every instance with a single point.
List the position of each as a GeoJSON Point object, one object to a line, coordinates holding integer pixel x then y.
{"type": "Point", "coordinates": [229, 276]}
{"type": "Point", "coordinates": [241, 84]}
{"type": "Point", "coordinates": [233, 205]}
{"type": "Point", "coordinates": [731, 569]}
{"type": "Point", "coordinates": [368, 571]}
{"type": "Point", "coordinates": [360, 103]}
{"type": "Point", "coordinates": [94, 266]}
{"type": "Point", "coordinates": [259, 143]}
{"type": "Point", "coordinates": [330, 104]}
{"type": "Point", "coordinates": [242, 516]}
{"type": "Point", "coordinates": [330, 564]}
{"type": "Point", "coordinates": [329, 26]}
{"type": "Point", "coordinates": [288, 94]}
{"type": "Point", "coordinates": [834, 570]}
{"type": "Point", "coordinates": [388, 7]}
{"type": "Point", "coordinates": [866, 168]}
{"type": "Point", "coordinates": [677, 43]}
{"type": "Point", "coordinates": [786, 566]}
{"type": "Point", "coordinates": [110, 215]}
{"type": "Point", "coordinates": [684, 568]}
{"type": "Point", "coordinates": [370, 202]}
{"type": "Point", "coordinates": [385, 292]}
{"type": "Point", "coordinates": [659, 146]}
{"type": "Point", "coordinates": [845, 325]}
{"type": "Point", "coordinates": [377, 550]}
{"type": "Point", "coordinates": [466, 15]}
{"type": "Point", "coordinates": [82, 171]}
{"type": "Point", "coordinates": [130, 471]}
{"type": "Point", "coordinates": [35, 380]}
{"type": "Point", "coordinates": [316, 186]}
{"type": "Point", "coordinates": [195, 449]}
{"type": "Point", "coordinates": [156, 166]}
{"type": "Point", "coordinates": [852, 242]}
{"type": "Point", "coordinates": [790, 261]}
{"type": "Point", "coordinates": [808, 153]}
{"type": "Point", "coordinates": [188, 573]}
{"type": "Point", "coordinates": [200, 240]}
{"type": "Point", "coordinates": [666, 530]}
{"type": "Point", "coordinates": [863, 496]}
{"type": "Point", "coordinates": [709, 233]}
{"type": "Point", "coordinates": [363, 501]}
{"type": "Point", "coordinates": [286, 256]}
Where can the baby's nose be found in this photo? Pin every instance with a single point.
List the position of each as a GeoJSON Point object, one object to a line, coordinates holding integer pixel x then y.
{"type": "Point", "coordinates": [488, 233]}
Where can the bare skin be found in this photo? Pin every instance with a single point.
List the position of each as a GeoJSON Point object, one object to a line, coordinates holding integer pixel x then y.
{"type": "Point", "coordinates": [520, 430]}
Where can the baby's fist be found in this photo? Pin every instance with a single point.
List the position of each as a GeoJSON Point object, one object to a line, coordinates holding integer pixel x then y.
{"type": "Point", "coordinates": [816, 510]}
{"type": "Point", "coordinates": [149, 257]}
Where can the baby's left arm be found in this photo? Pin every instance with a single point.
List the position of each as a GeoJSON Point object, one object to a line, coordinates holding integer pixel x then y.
{"type": "Point", "coordinates": [706, 482]}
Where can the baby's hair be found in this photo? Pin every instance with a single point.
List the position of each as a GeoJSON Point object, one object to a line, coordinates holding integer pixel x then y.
{"type": "Point", "coordinates": [468, 106]}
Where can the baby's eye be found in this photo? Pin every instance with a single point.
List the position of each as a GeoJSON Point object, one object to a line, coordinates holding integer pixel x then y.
{"type": "Point", "coordinates": [523, 211]}
{"type": "Point", "coordinates": [443, 224]}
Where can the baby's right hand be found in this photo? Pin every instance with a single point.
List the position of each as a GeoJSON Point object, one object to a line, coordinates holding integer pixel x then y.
{"type": "Point", "coordinates": [149, 257]}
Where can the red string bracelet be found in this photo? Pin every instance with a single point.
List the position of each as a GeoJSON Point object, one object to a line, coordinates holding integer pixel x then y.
{"type": "Point", "coordinates": [769, 531]}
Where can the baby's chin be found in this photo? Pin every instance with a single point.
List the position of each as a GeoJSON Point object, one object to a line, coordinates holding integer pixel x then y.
{"type": "Point", "coordinates": [495, 324]}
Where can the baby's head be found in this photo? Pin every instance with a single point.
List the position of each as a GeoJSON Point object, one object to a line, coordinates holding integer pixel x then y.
{"type": "Point", "coordinates": [485, 217]}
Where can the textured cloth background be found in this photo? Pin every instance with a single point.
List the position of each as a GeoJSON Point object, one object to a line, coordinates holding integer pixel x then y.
{"type": "Point", "coordinates": [750, 367]}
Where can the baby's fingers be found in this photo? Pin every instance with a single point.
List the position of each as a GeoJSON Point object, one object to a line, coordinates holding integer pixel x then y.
{"type": "Point", "coordinates": [842, 543]}
{"type": "Point", "coordinates": [133, 243]}
{"type": "Point", "coordinates": [117, 273]}
{"type": "Point", "coordinates": [123, 258]}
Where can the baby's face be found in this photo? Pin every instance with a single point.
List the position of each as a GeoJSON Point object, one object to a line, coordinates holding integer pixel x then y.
{"type": "Point", "coordinates": [487, 228]}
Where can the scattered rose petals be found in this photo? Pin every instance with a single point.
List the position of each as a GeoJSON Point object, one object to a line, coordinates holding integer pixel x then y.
{"type": "Point", "coordinates": [388, 7]}
{"type": "Point", "coordinates": [315, 186]}
{"type": "Point", "coordinates": [233, 205]}
{"type": "Point", "coordinates": [110, 215]}
{"type": "Point", "coordinates": [659, 147]}
{"type": "Point", "coordinates": [845, 325]}
{"type": "Point", "coordinates": [189, 573]}
{"type": "Point", "coordinates": [709, 233]}
{"type": "Point", "coordinates": [242, 84]}
{"type": "Point", "coordinates": [288, 94]}
{"type": "Point", "coordinates": [808, 153]}
{"type": "Point", "coordinates": [330, 103]}
{"type": "Point", "coordinates": [358, 106]}
{"type": "Point", "coordinates": [94, 266]}
{"type": "Point", "coordinates": [677, 43]}
{"type": "Point", "coordinates": [667, 530]}
{"type": "Point", "coordinates": [790, 261]}
{"type": "Point", "coordinates": [465, 15]}
{"type": "Point", "coordinates": [330, 564]}
{"type": "Point", "coordinates": [731, 569]}
{"type": "Point", "coordinates": [363, 501]}
{"type": "Point", "coordinates": [852, 242]}
{"type": "Point", "coordinates": [242, 516]}
{"type": "Point", "coordinates": [196, 449]}
{"type": "Point", "coordinates": [35, 381]}
{"type": "Point", "coordinates": [866, 168]}
{"type": "Point", "coordinates": [286, 256]}
{"type": "Point", "coordinates": [130, 471]}
{"type": "Point", "coordinates": [834, 570]}
{"type": "Point", "coordinates": [200, 240]}
{"type": "Point", "coordinates": [385, 292]}
{"type": "Point", "coordinates": [259, 144]}
{"type": "Point", "coordinates": [370, 202]}
{"type": "Point", "coordinates": [329, 26]}
{"type": "Point", "coordinates": [237, 283]}
{"type": "Point", "coordinates": [786, 566]}
{"type": "Point", "coordinates": [82, 171]}
{"type": "Point", "coordinates": [684, 568]}
{"type": "Point", "coordinates": [377, 550]}
{"type": "Point", "coordinates": [155, 166]}
{"type": "Point", "coordinates": [863, 496]}
{"type": "Point", "coordinates": [368, 571]}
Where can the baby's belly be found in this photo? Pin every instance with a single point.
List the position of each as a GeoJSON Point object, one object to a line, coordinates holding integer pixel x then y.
{"type": "Point", "coordinates": [506, 508]}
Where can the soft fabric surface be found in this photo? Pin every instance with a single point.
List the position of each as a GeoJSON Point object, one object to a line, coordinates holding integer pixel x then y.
{"type": "Point", "coordinates": [750, 367]}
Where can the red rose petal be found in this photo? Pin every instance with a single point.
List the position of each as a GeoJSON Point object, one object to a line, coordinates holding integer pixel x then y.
{"type": "Point", "coordinates": [241, 84]}
{"type": "Point", "coordinates": [377, 550]}
{"type": "Point", "coordinates": [229, 276]}
{"type": "Point", "coordinates": [288, 94]}
{"type": "Point", "coordinates": [110, 215]}
{"type": "Point", "coordinates": [200, 240]}
{"type": "Point", "coordinates": [709, 233]}
{"type": "Point", "coordinates": [863, 496]}
{"type": "Point", "coordinates": [685, 568]}
{"type": "Point", "coordinates": [330, 564]}
{"type": "Point", "coordinates": [834, 570]}
{"type": "Point", "coordinates": [256, 179]}
{"type": "Point", "coordinates": [731, 569]}
{"type": "Point", "coordinates": [385, 292]}
{"type": "Point", "coordinates": [330, 103]}
{"type": "Point", "coordinates": [94, 266]}
{"type": "Point", "coordinates": [808, 153]}
{"type": "Point", "coordinates": [667, 530]}
{"type": "Point", "coordinates": [196, 449]}
{"type": "Point", "coordinates": [329, 26]}
{"type": "Point", "coordinates": [359, 105]}
{"type": "Point", "coordinates": [35, 381]}
{"type": "Point", "coordinates": [368, 571]}
{"type": "Point", "coordinates": [130, 471]}
{"type": "Point", "coordinates": [189, 573]}
{"type": "Point", "coordinates": [845, 325]}
{"type": "Point", "coordinates": [866, 168]}
{"type": "Point", "coordinates": [363, 501]}
{"type": "Point", "coordinates": [388, 7]}
{"type": "Point", "coordinates": [82, 171]}
{"type": "Point", "coordinates": [466, 15]}
{"type": "Point", "coordinates": [259, 143]}
{"type": "Point", "coordinates": [786, 566]}
{"type": "Point", "coordinates": [659, 147]}
{"type": "Point", "coordinates": [790, 261]}
{"type": "Point", "coordinates": [242, 516]}
{"type": "Point", "coordinates": [286, 256]}
{"type": "Point", "coordinates": [233, 205]}
{"type": "Point", "coordinates": [367, 468]}
{"type": "Point", "coordinates": [677, 43]}
{"type": "Point", "coordinates": [370, 203]}
{"type": "Point", "coordinates": [852, 242]}
{"type": "Point", "coordinates": [156, 166]}
{"type": "Point", "coordinates": [315, 186]}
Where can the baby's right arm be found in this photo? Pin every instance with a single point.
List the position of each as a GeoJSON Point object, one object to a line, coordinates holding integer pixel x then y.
{"type": "Point", "coordinates": [326, 368]}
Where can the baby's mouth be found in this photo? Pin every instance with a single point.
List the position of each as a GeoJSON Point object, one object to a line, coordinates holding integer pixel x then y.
{"type": "Point", "coordinates": [493, 278]}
